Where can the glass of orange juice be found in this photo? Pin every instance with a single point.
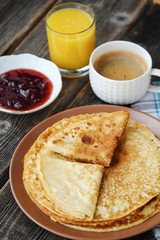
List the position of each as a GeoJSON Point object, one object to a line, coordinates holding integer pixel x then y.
{"type": "Point", "coordinates": [71, 37]}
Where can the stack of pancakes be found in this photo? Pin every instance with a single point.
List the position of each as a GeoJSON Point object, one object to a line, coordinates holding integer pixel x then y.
{"type": "Point", "coordinates": [95, 172]}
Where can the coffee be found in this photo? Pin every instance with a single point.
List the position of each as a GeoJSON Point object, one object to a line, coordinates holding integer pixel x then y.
{"type": "Point", "coordinates": [120, 65]}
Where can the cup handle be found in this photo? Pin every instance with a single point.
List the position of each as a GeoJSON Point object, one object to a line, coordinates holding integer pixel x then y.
{"type": "Point", "coordinates": [153, 88]}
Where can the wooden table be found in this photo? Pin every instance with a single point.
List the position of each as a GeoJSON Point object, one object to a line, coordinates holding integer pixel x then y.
{"type": "Point", "coordinates": [22, 30]}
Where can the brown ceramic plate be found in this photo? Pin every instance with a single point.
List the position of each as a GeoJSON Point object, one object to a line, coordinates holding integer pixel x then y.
{"type": "Point", "coordinates": [34, 213]}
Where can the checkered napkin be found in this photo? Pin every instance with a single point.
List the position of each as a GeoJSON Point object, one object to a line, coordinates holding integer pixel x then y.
{"type": "Point", "coordinates": [150, 104]}
{"type": "Point", "coordinates": [156, 231]}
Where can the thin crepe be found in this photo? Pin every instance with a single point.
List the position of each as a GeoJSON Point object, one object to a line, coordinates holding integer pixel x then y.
{"type": "Point", "coordinates": [66, 188]}
{"type": "Point", "coordinates": [129, 190]}
{"type": "Point", "coordinates": [133, 178]}
{"type": "Point", "coordinates": [144, 213]}
{"type": "Point", "coordinates": [88, 138]}
{"type": "Point", "coordinates": [73, 187]}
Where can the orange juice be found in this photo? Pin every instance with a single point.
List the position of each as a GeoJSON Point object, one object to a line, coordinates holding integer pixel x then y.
{"type": "Point", "coordinates": [71, 37]}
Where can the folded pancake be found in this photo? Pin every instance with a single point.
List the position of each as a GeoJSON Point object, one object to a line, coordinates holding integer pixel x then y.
{"type": "Point", "coordinates": [88, 138]}
{"type": "Point", "coordinates": [133, 178]}
{"type": "Point", "coordinates": [77, 195]}
{"type": "Point", "coordinates": [71, 188]}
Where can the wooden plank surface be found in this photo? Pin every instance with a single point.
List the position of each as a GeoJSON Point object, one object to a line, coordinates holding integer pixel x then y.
{"type": "Point", "coordinates": [17, 19]}
{"type": "Point", "coordinates": [35, 42]}
{"type": "Point", "coordinates": [115, 20]}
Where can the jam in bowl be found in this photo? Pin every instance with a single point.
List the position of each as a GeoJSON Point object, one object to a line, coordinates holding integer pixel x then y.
{"type": "Point", "coordinates": [27, 83]}
{"type": "Point", "coordinates": [24, 89]}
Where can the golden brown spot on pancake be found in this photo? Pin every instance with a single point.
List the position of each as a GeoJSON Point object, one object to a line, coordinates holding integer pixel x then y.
{"type": "Point", "coordinates": [87, 139]}
{"type": "Point", "coordinates": [125, 152]}
{"type": "Point", "coordinates": [56, 141]}
{"type": "Point", "coordinates": [76, 128]}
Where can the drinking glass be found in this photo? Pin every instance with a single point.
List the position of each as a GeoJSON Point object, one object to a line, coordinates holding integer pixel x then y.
{"type": "Point", "coordinates": [70, 31]}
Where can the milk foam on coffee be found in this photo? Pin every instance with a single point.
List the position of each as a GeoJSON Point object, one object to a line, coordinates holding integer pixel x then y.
{"type": "Point", "coordinates": [120, 65]}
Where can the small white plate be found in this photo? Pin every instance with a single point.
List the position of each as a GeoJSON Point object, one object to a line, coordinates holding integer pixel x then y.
{"type": "Point", "coordinates": [29, 61]}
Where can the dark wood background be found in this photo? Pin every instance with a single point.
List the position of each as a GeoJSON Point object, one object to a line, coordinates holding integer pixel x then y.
{"type": "Point", "coordinates": [22, 30]}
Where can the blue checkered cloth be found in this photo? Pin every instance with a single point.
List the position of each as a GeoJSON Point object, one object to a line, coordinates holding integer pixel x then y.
{"type": "Point", "coordinates": [150, 104]}
{"type": "Point", "coordinates": [156, 231]}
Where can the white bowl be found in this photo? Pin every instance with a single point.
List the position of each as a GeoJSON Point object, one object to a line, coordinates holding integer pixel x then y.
{"type": "Point", "coordinates": [29, 61]}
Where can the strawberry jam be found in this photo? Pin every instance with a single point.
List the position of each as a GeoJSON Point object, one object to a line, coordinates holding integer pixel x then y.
{"type": "Point", "coordinates": [24, 89]}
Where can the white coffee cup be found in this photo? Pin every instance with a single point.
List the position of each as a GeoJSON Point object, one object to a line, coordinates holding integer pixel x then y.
{"type": "Point", "coordinates": [122, 92]}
